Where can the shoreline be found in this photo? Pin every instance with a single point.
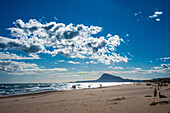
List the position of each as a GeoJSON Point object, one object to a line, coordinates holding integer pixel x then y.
{"type": "Point", "coordinates": [48, 92]}
{"type": "Point", "coordinates": [51, 91]}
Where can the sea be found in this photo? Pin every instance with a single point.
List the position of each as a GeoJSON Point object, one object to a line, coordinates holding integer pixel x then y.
{"type": "Point", "coordinates": [26, 88]}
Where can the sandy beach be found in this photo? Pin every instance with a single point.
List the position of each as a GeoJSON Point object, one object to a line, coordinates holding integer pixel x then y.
{"type": "Point", "coordinates": [113, 99]}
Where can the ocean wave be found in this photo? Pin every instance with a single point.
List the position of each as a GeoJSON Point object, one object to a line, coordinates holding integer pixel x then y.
{"type": "Point", "coordinates": [24, 88]}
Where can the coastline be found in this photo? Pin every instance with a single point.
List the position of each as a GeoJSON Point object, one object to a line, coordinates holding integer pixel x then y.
{"type": "Point", "coordinates": [48, 92]}
{"type": "Point", "coordinates": [129, 98]}
{"type": "Point", "coordinates": [38, 90]}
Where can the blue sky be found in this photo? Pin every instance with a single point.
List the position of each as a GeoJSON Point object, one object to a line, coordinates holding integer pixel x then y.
{"type": "Point", "coordinates": [56, 40]}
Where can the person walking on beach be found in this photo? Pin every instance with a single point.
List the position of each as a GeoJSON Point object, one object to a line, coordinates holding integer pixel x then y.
{"type": "Point", "coordinates": [74, 86]}
{"type": "Point", "coordinates": [155, 92]}
{"type": "Point", "coordinates": [100, 85]}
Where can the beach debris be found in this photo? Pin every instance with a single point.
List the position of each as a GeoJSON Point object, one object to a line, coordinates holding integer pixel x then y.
{"type": "Point", "coordinates": [163, 84]}
{"type": "Point", "coordinates": [160, 102]}
{"type": "Point", "coordinates": [115, 103]}
{"type": "Point", "coordinates": [161, 96]}
{"type": "Point", "coordinates": [116, 99]}
{"type": "Point", "coordinates": [80, 74]}
{"type": "Point", "coordinates": [168, 89]}
{"type": "Point", "coordinates": [148, 84]}
{"type": "Point", "coordinates": [148, 96]}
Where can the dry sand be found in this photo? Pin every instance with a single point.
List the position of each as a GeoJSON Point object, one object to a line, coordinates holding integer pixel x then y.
{"type": "Point", "coordinates": [114, 99]}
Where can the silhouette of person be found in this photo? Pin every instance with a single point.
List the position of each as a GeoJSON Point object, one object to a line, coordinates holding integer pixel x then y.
{"type": "Point", "coordinates": [155, 92]}
{"type": "Point", "coordinates": [100, 85]}
{"type": "Point", "coordinates": [74, 86]}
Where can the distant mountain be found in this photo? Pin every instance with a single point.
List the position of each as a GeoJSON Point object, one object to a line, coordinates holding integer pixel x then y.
{"type": "Point", "coordinates": [110, 78]}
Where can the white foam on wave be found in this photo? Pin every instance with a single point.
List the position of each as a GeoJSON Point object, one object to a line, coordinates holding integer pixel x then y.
{"type": "Point", "coordinates": [97, 84]}
{"type": "Point", "coordinates": [41, 87]}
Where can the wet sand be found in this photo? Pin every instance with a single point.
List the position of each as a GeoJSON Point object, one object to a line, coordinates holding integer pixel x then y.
{"type": "Point", "coordinates": [113, 99]}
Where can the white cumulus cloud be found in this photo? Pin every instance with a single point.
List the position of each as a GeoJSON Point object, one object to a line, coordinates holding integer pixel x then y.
{"type": "Point", "coordinates": [91, 62]}
{"type": "Point", "coordinates": [165, 58]}
{"type": "Point", "coordinates": [60, 61]}
{"type": "Point", "coordinates": [14, 67]}
{"type": "Point", "coordinates": [69, 40]}
{"type": "Point", "coordinates": [8, 55]}
{"type": "Point", "coordinates": [157, 19]}
{"type": "Point", "coordinates": [156, 14]}
{"type": "Point", "coordinates": [45, 70]}
{"type": "Point", "coordinates": [110, 67]}
{"type": "Point", "coordinates": [72, 62]}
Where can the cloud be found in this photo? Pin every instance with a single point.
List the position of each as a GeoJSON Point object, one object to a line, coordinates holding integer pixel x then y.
{"type": "Point", "coordinates": [45, 70]}
{"type": "Point", "coordinates": [138, 13]}
{"type": "Point", "coordinates": [164, 65]}
{"type": "Point", "coordinates": [110, 67]}
{"type": "Point", "coordinates": [109, 35]}
{"type": "Point", "coordinates": [60, 61]}
{"type": "Point", "coordinates": [156, 15]}
{"type": "Point", "coordinates": [14, 67]}
{"type": "Point", "coordinates": [91, 62]}
{"type": "Point", "coordinates": [8, 55]}
{"type": "Point", "coordinates": [73, 68]}
{"type": "Point", "coordinates": [158, 19]}
{"type": "Point", "coordinates": [163, 68]}
{"type": "Point", "coordinates": [69, 40]}
{"type": "Point", "coordinates": [165, 58]}
{"type": "Point", "coordinates": [17, 44]}
{"type": "Point", "coordinates": [133, 71]}
{"type": "Point", "coordinates": [158, 12]}
{"type": "Point", "coordinates": [153, 16]}
{"type": "Point", "coordinates": [72, 62]}
{"type": "Point", "coordinates": [157, 67]}
{"type": "Point", "coordinates": [55, 18]}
